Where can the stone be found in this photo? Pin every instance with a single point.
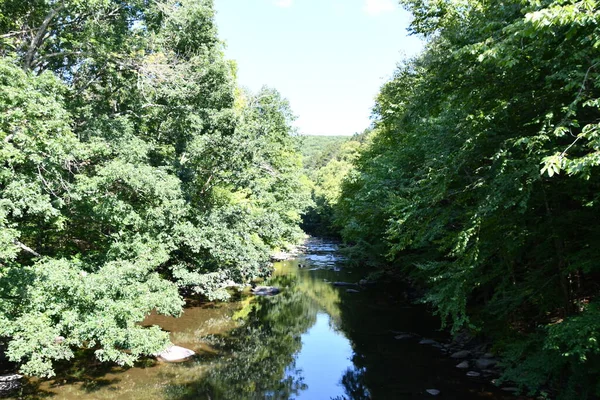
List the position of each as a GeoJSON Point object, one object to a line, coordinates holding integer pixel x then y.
{"type": "Point", "coordinates": [363, 282]}
{"type": "Point", "coordinates": [489, 372]}
{"type": "Point", "coordinates": [10, 382]}
{"type": "Point", "coordinates": [266, 291]}
{"type": "Point", "coordinates": [510, 389]}
{"type": "Point", "coordinates": [473, 374]}
{"type": "Point", "coordinates": [461, 354]}
{"type": "Point", "coordinates": [463, 365]}
{"type": "Point", "coordinates": [175, 353]}
{"type": "Point", "coordinates": [352, 291]}
{"type": "Point", "coordinates": [280, 256]}
{"type": "Point", "coordinates": [485, 363]}
{"type": "Point", "coordinates": [488, 355]}
{"type": "Point", "coordinates": [433, 392]}
{"type": "Point", "coordinates": [428, 342]}
{"type": "Point", "coordinates": [341, 284]}
{"type": "Point", "coordinates": [403, 336]}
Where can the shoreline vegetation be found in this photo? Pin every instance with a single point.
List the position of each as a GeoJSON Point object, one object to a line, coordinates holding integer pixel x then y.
{"type": "Point", "coordinates": [479, 182]}
{"type": "Point", "coordinates": [134, 172]}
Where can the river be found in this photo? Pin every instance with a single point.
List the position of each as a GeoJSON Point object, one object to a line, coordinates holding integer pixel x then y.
{"type": "Point", "coordinates": [311, 341]}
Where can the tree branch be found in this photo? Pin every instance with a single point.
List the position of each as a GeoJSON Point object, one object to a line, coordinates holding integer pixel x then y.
{"type": "Point", "coordinates": [26, 248]}
{"type": "Point", "coordinates": [37, 39]}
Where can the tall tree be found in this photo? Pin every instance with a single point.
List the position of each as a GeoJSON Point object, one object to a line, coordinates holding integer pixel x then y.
{"type": "Point", "coordinates": [131, 167]}
{"type": "Point", "coordinates": [484, 167]}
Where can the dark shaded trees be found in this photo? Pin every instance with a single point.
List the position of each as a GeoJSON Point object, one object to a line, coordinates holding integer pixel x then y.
{"type": "Point", "coordinates": [481, 181]}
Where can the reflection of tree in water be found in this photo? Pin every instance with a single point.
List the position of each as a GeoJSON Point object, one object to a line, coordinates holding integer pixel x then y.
{"type": "Point", "coordinates": [260, 355]}
{"type": "Point", "coordinates": [354, 386]}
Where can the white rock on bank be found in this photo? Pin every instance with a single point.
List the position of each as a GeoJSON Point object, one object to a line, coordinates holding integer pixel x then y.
{"type": "Point", "coordinates": [175, 353]}
{"type": "Point", "coordinates": [433, 392]}
{"type": "Point", "coordinates": [280, 256]}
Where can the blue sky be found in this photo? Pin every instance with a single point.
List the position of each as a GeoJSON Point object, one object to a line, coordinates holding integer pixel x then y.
{"type": "Point", "coordinates": [327, 57]}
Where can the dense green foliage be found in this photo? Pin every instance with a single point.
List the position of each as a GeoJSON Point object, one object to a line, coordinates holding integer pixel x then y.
{"type": "Point", "coordinates": [326, 169]}
{"type": "Point", "coordinates": [482, 180]}
{"type": "Point", "coordinates": [317, 150]}
{"type": "Point", "coordinates": [131, 168]}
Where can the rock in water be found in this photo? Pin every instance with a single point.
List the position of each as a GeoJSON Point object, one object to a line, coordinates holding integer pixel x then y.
{"type": "Point", "coordinates": [433, 392]}
{"type": "Point", "coordinates": [280, 256]}
{"type": "Point", "coordinates": [428, 342]}
{"type": "Point", "coordinates": [266, 291]}
{"type": "Point", "coordinates": [8, 383]}
{"type": "Point", "coordinates": [175, 353]}
{"type": "Point", "coordinates": [463, 365]}
{"type": "Point", "coordinates": [341, 284]}
{"type": "Point", "coordinates": [473, 374]}
{"type": "Point", "coordinates": [485, 363]}
{"type": "Point", "coordinates": [461, 354]}
{"type": "Point", "coordinates": [404, 336]}
{"type": "Point", "coordinates": [352, 291]}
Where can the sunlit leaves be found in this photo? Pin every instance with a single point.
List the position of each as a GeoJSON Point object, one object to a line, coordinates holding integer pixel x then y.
{"type": "Point", "coordinates": [127, 173]}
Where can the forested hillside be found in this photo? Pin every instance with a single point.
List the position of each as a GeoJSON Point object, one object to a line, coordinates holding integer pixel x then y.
{"type": "Point", "coordinates": [327, 161]}
{"type": "Point", "coordinates": [132, 169]}
{"type": "Point", "coordinates": [317, 150]}
{"type": "Point", "coordinates": [482, 181]}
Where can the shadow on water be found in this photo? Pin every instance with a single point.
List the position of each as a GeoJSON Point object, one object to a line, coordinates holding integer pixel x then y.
{"type": "Point", "coordinates": [311, 341]}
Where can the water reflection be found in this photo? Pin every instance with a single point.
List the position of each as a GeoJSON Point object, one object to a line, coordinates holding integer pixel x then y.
{"type": "Point", "coordinates": [311, 341]}
{"type": "Point", "coordinates": [325, 355]}
{"type": "Point", "coordinates": [287, 348]}
{"type": "Point", "coordinates": [258, 361]}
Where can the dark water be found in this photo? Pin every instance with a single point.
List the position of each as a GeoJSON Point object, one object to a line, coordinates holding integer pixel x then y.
{"type": "Point", "coordinates": [312, 341]}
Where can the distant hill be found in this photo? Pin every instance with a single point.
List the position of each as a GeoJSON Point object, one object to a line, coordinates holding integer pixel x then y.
{"type": "Point", "coordinates": [318, 150]}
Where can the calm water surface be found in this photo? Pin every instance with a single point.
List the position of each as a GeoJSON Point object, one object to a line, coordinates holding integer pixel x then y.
{"type": "Point", "coordinates": [312, 341]}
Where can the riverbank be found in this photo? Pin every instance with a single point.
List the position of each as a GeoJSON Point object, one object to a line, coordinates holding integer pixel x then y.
{"type": "Point", "coordinates": [312, 340]}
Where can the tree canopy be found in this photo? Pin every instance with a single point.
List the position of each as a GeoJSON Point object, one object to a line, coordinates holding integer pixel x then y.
{"type": "Point", "coordinates": [481, 182]}
{"type": "Point", "coordinates": [132, 169]}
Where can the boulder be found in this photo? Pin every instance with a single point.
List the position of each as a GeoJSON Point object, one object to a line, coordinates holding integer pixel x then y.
{"type": "Point", "coordinates": [404, 336]}
{"type": "Point", "coordinates": [428, 342]}
{"type": "Point", "coordinates": [490, 372]}
{"type": "Point", "coordinates": [9, 383]}
{"type": "Point", "coordinates": [266, 291]}
{"type": "Point", "coordinates": [433, 392]}
{"type": "Point", "coordinates": [473, 374]}
{"type": "Point", "coordinates": [463, 365]}
{"type": "Point", "coordinates": [352, 291]}
{"type": "Point", "coordinates": [485, 363]}
{"type": "Point", "coordinates": [175, 353]}
{"type": "Point", "coordinates": [341, 284]}
{"type": "Point", "coordinates": [461, 354]}
{"type": "Point", "coordinates": [280, 256]}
